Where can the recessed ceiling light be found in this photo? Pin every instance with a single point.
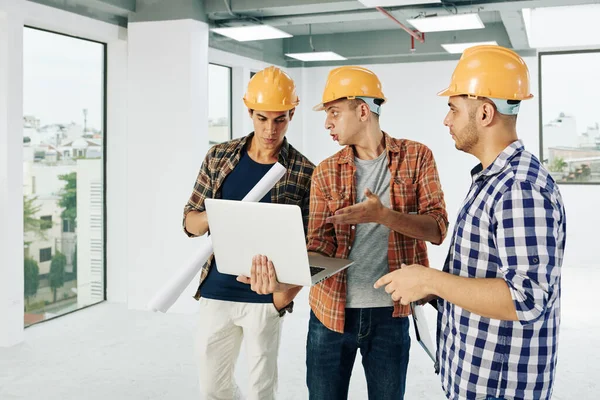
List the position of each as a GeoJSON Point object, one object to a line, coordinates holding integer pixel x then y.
{"type": "Point", "coordinates": [458, 22]}
{"type": "Point", "coordinates": [542, 32]}
{"type": "Point", "coordinates": [252, 32]}
{"type": "Point", "coordinates": [317, 56]}
{"type": "Point", "coordinates": [458, 48]}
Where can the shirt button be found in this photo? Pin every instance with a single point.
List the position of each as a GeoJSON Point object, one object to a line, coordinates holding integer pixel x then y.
{"type": "Point", "coordinates": [353, 227]}
{"type": "Point", "coordinates": [349, 247]}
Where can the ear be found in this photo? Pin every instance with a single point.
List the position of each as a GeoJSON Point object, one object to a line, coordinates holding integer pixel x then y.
{"type": "Point", "coordinates": [365, 111]}
{"type": "Point", "coordinates": [291, 113]}
{"type": "Point", "coordinates": [488, 112]}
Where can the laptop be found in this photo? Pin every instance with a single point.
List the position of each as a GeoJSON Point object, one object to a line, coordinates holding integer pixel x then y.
{"type": "Point", "coordinates": [240, 230]}
{"type": "Point", "coordinates": [423, 335]}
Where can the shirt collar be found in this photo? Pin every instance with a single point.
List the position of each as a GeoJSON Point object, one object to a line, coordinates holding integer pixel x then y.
{"type": "Point", "coordinates": [500, 162]}
{"type": "Point", "coordinates": [284, 152]}
{"type": "Point", "coordinates": [347, 154]}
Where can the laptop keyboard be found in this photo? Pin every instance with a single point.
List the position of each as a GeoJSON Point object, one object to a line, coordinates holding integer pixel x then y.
{"type": "Point", "coordinates": [315, 270]}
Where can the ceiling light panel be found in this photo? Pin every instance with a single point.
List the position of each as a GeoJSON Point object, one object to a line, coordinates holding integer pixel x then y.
{"type": "Point", "coordinates": [252, 33]}
{"type": "Point", "coordinates": [458, 48]}
{"type": "Point", "coordinates": [548, 27]}
{"type": "Point", "coordinates": [458, 22]}
{"type": "Point", "coordinates": [317, 56]}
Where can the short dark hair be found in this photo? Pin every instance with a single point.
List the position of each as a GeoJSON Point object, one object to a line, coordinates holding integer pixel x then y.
{"type": "Point", "coordinates": [353, 103]}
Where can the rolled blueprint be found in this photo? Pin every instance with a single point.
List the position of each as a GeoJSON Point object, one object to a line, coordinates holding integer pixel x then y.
{"type": "Point", "coordinates": [170, 292]}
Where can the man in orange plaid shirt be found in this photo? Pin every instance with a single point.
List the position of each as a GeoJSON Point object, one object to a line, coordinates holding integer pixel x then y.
{"type": "Point", "coordinates": [377, 201]}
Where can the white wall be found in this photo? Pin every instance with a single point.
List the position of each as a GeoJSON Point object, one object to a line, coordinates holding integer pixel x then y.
{"type": "Point", "coordinates": [413, 111]}
{"type": "Point", "coordinates": [11, 173]}
{"type": "Point", "coordinates": [167, 139]}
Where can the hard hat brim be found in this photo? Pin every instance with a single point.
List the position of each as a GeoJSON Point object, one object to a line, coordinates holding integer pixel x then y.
{"type": "Point", "coordinates": [319, 107]}
{"type": "Point", "coordinates": [270, 107]}
{"type": "Point", "coordinates": [449, 93]}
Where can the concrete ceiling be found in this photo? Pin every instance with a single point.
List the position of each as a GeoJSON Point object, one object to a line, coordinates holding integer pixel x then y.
{"type": "Point", "coordinates": [363, 35]}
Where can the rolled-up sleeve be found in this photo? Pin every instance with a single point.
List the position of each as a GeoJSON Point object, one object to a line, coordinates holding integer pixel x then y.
{"type": "Point", "coordinates": [321, 235]}
{"type": "Point", "coordinates": [203, 189]}
{"type": "Point", "coordinates": [527, 231]}
{"type": "Point", "coordinates": [430, 195]}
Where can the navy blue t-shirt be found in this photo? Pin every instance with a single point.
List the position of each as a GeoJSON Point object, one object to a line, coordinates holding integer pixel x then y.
{"type": "Point", "coordinates": [237, 184]}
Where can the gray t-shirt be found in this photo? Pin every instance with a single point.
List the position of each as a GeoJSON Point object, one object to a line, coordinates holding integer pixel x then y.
{"type": "Point", "coordinates": [370, 249]}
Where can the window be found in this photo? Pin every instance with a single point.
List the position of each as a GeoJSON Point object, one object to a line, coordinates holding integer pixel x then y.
{"type": "Point", "coordinates": [219, 104]}
{"type": "Point", "coordinates": [64, 119]}
{"type": "Point", "coordinates": [45, 254]}
{"type": "Point", "coordinates": [46, 222]}
{"type": "Point", "coordinates": [68, 225]}
{"type": "Point", "coordinates": [570, 116]}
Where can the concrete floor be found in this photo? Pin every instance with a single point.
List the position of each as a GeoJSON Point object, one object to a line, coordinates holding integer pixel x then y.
{"type": "Point", "coordinates": [109, 352]}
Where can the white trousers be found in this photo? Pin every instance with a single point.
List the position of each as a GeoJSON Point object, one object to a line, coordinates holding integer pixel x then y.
{"type": "Point", "coordinates": [223, 325]}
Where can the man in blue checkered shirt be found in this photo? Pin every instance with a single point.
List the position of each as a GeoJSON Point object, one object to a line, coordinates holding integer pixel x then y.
{"type": "Point", "coordinates": [499, 292]}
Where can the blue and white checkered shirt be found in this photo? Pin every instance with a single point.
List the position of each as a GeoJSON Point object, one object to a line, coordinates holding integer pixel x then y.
{"type": "Point", "coordinates": [511, 226]}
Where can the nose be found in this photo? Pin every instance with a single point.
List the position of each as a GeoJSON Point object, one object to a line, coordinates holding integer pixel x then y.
{"type": "Point", "coordinates": [270, 127]}
{"type": "Point", "coordinates": [328, 124]}
{"type": "Point", "coordinates": [447, 120]}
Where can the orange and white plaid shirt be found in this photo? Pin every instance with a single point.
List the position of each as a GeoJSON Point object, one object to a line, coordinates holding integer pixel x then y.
{"type": "Point", "coordinates": [414, 189]}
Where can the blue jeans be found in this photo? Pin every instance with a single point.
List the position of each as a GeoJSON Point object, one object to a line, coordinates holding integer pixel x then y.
{"type": "Point", "coordinates": [384, 345]}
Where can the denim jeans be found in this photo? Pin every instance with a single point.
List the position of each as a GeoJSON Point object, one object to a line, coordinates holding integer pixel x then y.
{"type": "Point", "coordinates": [384, 344]}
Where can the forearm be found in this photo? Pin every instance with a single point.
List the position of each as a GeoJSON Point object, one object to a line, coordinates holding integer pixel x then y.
{"type": "Point", "coordinates": [285, 298]}
{"type": "Point", "coordinates": [196, 223]}
{"type": "Point", "coordinates": [421, 227]}
{"type": "Point", "coordinates": [488, 297]}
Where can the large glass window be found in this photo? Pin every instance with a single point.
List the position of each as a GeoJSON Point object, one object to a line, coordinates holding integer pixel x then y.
{"type": "Point", "coordinates": [63, 173]}
{"type": "Point", "coordinates": [219, 104]}
{"type": "Point", "coordinates": [570, 115]}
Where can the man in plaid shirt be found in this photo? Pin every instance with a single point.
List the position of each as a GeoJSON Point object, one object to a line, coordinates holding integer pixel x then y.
{"type": "Point", "coordinates": [499, 291]}
{"type": "Point", "coordinates": [375, 202]}
{"type": "Point", "coordinates": [230, 309]}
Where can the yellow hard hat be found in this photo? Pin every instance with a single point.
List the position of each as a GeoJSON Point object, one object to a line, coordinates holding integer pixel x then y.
{"type": "Point", "coordinates": [271, 90]}
{"type": "Point", "coordinates": [490, 71]}
{"type": "Point", "coordinates": [350, 82]}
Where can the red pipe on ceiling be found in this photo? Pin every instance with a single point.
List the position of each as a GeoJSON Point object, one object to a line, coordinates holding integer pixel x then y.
{"type": "Point", "coordinates": [415, 34]}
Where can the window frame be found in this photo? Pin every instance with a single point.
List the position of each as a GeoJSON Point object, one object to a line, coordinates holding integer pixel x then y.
{"type": "Point", "coordinates": [104, 120]}
{"type": "Point", "coordinates": [230, 68]}
{"type": "Point", "coordinates": [541, 54]}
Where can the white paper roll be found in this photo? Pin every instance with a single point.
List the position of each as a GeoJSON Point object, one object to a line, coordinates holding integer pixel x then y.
{"type": "Point", "coordinates": [170, 292]}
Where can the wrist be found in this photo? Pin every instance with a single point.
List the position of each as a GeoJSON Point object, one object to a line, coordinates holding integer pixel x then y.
{"type": "Point", "coordinates": [381, 217]}
{"type": "Point", "coordinates": [431, 281]}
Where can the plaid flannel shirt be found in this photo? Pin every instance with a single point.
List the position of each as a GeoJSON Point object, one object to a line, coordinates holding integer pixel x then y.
{"type": "Point", "coordinates": [415, 188]}
{"type": "Point", "coordinates": [293, 188]}
{"type": "Point", "coordinates": [511, 226]}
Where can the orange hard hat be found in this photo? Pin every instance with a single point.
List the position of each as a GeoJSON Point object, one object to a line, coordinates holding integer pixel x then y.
{"type": "Point", "coordinates": [350, 82]}
{"type": "Point", "coordinates": [490, 71]}
{"type": "Point", "coordinates": [271, 90]}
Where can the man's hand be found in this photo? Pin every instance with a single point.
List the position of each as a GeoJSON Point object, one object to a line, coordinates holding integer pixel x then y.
{"type": "Point", "coordinates": [263, 279]}
{"type": "Point", "coordinates": [370, 210]}
{"type": "Point", "coordinates": [406, 284]}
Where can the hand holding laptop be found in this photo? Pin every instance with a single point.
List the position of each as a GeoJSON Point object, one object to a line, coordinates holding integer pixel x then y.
{"type": "Point", "coordinates": [263, 278]}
